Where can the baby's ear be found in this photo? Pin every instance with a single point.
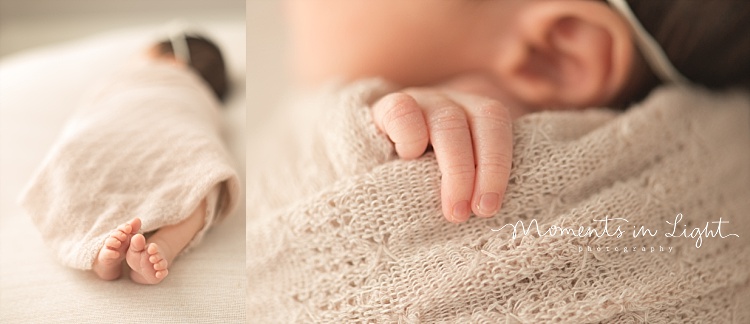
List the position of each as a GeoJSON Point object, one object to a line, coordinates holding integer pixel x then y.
{"type": "Point", "coordinates": [566, 54]}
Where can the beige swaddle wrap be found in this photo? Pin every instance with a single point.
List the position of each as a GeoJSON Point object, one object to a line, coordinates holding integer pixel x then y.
{"type": "Point", "coordinates": [342, 231]}
{"type": "Point", "coordinates": [146, 143]}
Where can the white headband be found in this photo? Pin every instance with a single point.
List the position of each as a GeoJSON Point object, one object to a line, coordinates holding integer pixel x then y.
{"type": "Point", "coordinates": [651, 50]}
{"type": "Point", "coordinates": [178, 38]}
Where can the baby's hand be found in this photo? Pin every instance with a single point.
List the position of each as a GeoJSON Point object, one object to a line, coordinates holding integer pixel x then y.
{"type": "Point", "coordinates": [472, 139]}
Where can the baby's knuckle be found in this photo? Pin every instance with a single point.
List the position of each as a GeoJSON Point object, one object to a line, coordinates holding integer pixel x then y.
{"type": "Point", "coordinates": [490, 108]}
{"type": "Point", "coordinates": [449, 126]}
{"type": "Point", "coordinates": [399, 99]}
{"type": "Point", "coordinates": [400, 108]}
{"type": "Point", "coordinates": [401, 112]}
{"type": "Point", "coordinates": [460, 171]}
{"type": "Point", "coordinates": [419, 138]}
{"type": "Point", "coordinates": [448, 119]}
{"type": "Point", "coordinates": [494, 163]}
{"type": "Point", "coordinates": [495, 115]}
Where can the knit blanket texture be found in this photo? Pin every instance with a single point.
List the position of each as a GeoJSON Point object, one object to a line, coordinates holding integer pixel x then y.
{"type": "Point", "coordinates": [341, 230]}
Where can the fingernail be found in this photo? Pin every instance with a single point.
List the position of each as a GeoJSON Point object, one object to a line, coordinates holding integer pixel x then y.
{"type": "Point", "coordinates": [488, 203]}
{"type": "Point", "coordinates": [461, 211]}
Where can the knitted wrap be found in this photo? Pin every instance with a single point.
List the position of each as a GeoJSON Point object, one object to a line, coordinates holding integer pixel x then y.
{"type": "Point", "coordinates": [341, 230]}
{"type": "Point", "coordinates": [147, 143]}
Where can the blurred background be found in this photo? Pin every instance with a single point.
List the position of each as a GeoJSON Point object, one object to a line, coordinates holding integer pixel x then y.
{"type": "Point", "coordinates": [25, 24]}
{"type": "Point", "coordinates": [267, 75]}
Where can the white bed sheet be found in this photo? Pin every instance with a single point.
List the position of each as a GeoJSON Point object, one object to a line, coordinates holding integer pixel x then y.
{"type": "Point", "coordinates": [38, 91]}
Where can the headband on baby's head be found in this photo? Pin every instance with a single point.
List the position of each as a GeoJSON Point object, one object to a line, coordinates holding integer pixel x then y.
{"type": "Point", "coordinates": [178, 38]}
{"type": "Point", "coordinates": [652, 52]}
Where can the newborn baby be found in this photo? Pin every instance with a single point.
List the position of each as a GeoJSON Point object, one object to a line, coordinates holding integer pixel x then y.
{"type": "Point", "coordinates": [143, 151]}
{"type": "Point", "coordinates": [149, 259]}
{"type": "Point", "coordinates": [470, 67]}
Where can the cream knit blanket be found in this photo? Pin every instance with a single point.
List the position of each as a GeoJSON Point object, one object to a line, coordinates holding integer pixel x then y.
{"type": "Point", "coordinates": [340, 230]}
{"type": "Point", "coordinates": [146, 143]}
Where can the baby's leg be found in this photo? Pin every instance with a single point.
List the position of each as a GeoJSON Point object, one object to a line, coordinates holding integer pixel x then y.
{"type": "Point", "coordinates": [149, 260]}
{"type": "Point", "coordinates": [108, 262]}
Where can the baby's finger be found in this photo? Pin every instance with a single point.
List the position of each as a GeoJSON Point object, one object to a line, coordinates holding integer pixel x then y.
{"type": "Point", "coordinates": [400, 117]}
{"type": "Point", "coordinates": [451, 140]}
{"type": "Point", "coordinates": [492, 134]}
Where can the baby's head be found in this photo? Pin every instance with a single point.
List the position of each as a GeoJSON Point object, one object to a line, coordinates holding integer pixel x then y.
{"type": "Point", "coordinates": [539, 53]}
{"type": "Point", "coordinates": [204, 58]}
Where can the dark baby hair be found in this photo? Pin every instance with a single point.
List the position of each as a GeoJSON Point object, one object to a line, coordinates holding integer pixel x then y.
{"type": "Point", "coordinates": [708, 41]}
{"type": "Point", "coordinates": [206, 59]}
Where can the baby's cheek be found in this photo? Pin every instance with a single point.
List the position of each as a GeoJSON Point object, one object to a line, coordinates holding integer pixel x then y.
{"type": "Point", "coordinates": [326, 37]}
{"type": "Point", "coordinates": [407, 42]}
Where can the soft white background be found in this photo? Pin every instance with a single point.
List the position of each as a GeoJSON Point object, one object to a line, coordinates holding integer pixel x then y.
{"type": "Point", "coordinates": [25, 24]}
{"type": "Point", "coordinates": [267, 77]}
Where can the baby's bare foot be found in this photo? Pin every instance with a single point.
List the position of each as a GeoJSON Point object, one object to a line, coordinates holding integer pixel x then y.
{"type": "Point", "coordinates": [146, 261]}
{"type": "Point", "coordinates": [108, 262]}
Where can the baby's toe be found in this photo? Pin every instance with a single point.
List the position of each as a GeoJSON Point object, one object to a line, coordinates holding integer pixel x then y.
{"type": "Point", "coordinates": [112, 242]}
{"type": "Point", "coordinates": [155, 258]}
{"type": "Point", "coordinates": [125, 228]}
{"type": "Point", "coordinates": [135, 225]}
{"type": "Point", "coordinates": [160, 274]}
{"type": "Point", "coordinates": [109, 254]}
{"type": "Point", "coordinates": [137, 243]}
{"type": "Point", "coordinates": [153, 249]}
{"type": "Point", "coordinates": [161, 265]}
{"type": "Point", "coordinates": [119, 235]}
